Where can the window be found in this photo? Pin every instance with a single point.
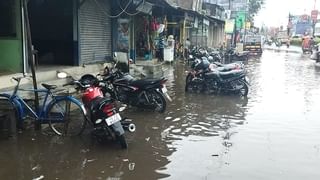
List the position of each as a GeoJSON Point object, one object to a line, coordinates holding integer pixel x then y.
{"type": "Point", "coordinates": [7, 18]}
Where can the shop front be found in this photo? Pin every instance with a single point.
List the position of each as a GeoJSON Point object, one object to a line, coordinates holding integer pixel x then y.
{"type": "Point", "coordinates": [148, 34]}
{"type": "Point", "coordinates": [138, 31]}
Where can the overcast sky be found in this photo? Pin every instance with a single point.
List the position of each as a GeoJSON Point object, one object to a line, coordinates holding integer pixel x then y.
{"type": "Point", "coordinates": [275, 12]}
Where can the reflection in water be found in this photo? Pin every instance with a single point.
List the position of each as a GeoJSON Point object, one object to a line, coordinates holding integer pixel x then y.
{"type": "Point", "coordinates": [272, 134]}
{"type": "Point", "coordinates": [199, 127]}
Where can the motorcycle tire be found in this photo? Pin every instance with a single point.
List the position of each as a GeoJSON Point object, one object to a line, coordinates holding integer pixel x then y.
{"type": "Point", "coordinates": [158, 96]}
{"type": "Point", "coordinates": [244, 90]}
{"type": "Point", "coordinates": [188, 80]}
{"type": "Point", "coordinates": [122, 141]}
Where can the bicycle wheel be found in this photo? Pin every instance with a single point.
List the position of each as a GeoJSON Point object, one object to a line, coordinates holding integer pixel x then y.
{"type": "Point", "coordinates": [66, 118]}
{"type": "Point", "coordinates": [8, 107]}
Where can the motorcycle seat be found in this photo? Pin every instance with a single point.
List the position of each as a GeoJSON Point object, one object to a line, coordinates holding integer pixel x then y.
{"type": "Point", "coordinates": [212, 74]}
{"type": "Point", "coordinates": [99, 102]}
{"type": "Point", "coordinates": [230, 74]}
{"type": "Point", "coordinates": [145, 82]}
{"type": "Point", "coordinates": [48, 86]}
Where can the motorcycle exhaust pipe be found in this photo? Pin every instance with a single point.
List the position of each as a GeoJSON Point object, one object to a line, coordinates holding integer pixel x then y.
{"type": "Point", "coordinates": [132, 127]}
{"type": "Point", "coordinates": [128, 126]}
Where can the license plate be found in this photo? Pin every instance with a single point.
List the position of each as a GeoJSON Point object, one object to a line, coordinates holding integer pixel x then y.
{"type": "Point", "coordinates": [164, 89]}
{"type": "Point", "coordinates": [113, 119]}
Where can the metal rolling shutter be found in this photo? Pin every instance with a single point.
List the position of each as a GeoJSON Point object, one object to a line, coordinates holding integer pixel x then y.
{"type": "Point", "coordinates": [94, 31]}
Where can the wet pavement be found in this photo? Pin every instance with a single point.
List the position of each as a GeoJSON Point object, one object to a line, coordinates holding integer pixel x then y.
{"type": "Point", "coordinates": [272, 134]}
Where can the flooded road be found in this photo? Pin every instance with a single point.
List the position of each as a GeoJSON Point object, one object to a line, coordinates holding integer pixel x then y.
{"type": "Point", "coordinates": [272, 134]}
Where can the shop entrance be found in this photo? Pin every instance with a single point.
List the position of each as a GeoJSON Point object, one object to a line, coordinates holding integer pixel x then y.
{"type": "Point", "coordinates": [51, 24]}
{"type": "Point", "coordinates": [143, 47]}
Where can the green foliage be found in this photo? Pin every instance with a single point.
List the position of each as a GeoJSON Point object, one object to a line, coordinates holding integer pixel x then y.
{"type": "Point", "coordinates": [254, 7]}
{"type": "Point", "coordinates": [298, 41]}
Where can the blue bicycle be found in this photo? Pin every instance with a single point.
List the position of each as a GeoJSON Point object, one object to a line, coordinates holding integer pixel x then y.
{"type": "Point", "coordinates": [65, 114]}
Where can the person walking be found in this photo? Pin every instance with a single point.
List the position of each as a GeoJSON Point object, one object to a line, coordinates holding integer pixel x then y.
{"type": "Point", "coordinates": [161, 45]}
{"type": "Point", "coordinates": [186, 48]}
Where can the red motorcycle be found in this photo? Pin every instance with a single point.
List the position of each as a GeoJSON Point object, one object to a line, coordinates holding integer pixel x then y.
{"type": "Point", "coordinates": [103, 112]}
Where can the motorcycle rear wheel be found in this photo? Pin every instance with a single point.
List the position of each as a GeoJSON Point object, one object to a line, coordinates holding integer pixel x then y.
{"type": "Point", "coordinates": [123, 142]}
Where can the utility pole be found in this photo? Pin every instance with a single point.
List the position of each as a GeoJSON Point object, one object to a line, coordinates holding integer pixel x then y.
{"type": "Point", "coordinates": [31, 61]}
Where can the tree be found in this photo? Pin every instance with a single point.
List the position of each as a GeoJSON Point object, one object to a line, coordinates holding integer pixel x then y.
{"type": "Point", "coordinates": [254, 7]}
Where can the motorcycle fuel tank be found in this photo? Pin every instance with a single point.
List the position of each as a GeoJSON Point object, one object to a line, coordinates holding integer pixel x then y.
{"type": "Point", "coordinates": [91, 93]}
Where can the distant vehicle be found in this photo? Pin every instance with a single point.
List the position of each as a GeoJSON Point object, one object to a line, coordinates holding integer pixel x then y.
{"type": "Point", "coordinates": [317, 30]}
{"type": "Point", "coordinates": [253, 44]}
{"type": "Point", "coordinates": [302, 28]}
{"type": "Point", "coordinates": [282, 37]}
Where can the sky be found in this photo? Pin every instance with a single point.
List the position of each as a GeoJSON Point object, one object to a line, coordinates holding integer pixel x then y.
{"type": "Point", "coordinates": [275, 12]}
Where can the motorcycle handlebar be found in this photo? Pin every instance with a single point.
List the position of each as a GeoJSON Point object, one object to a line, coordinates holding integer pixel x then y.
{"type": "Point", "coordinates": [76, 82]}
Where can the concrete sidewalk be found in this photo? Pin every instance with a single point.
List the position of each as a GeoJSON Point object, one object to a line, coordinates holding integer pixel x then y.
{"type": "Point", "coordinates": [283, 48]}
{"type": "Point", "coordinates": [49, 75]}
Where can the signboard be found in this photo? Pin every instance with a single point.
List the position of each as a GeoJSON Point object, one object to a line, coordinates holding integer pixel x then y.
{"type": "Point", "coordinates": [302, 28]}
{"type": "Point", "coordinates": [229, 26]}
{"type": "Point", "coordinates": [248, 25]}
{"type": "Point", "coordinates": [145, 8]}
{"type": "Point", "coordinates": [241, 20]}
{"type": "Point", "coordinates": [314, 15]}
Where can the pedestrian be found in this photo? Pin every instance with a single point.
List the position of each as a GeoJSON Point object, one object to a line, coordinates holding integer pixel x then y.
{"type": "Point", "coordinates": [288, 42]}
{"type": "Point", "coordinates": [161, 45]}
{"type": "Point", "coordinates": [186, 48]}
{"type": "Point", "coordinates": [311, 42]}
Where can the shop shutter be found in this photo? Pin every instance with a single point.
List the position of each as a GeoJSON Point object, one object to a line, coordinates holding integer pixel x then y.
{"type": "Point", "coordinates": [94, 31]}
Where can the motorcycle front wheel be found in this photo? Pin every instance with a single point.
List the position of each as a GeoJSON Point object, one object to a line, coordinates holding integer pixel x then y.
{"type": "Point", "coordinates": [158, 101]}
{"type": "Point", "coordinates": [244, 90]}
{"type": "Point", "coordinates": [188, 81]}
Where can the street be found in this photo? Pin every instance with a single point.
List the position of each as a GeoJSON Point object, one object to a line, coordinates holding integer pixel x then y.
{"type": "Point", "coordinates": [272, 134]}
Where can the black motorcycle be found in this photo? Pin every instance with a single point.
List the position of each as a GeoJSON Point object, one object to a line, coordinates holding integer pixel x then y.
{"type": "Point", "coordinates": [228, 80]}
{"type": "Point", "coordinates": [144, 93]}
{"type": "Point", "coordinates": [231, 55]}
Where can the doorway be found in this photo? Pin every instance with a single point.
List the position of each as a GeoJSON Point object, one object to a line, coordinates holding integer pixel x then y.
{"type": "Point", "coordinates": [52, 31]}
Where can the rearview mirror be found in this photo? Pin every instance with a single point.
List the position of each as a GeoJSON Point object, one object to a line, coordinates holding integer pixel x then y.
{"type": "Point", "coordinates": [122, 108]}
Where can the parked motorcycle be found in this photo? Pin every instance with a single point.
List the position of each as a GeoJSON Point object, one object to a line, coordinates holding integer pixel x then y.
{"type": "Point", "coordinates": [231, 55]}
{"type": "Point", "coordinates": [103, 112]}
{"type": "Point", "coordinates": [144, 93]}
{"type": "Point", "coordinates": [315, 54]}
{"type": "Point", "coordinates": [226, 80]}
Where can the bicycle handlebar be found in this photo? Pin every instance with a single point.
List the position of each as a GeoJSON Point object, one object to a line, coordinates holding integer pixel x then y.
{"type": "Point", "coordinates": [18, 79]}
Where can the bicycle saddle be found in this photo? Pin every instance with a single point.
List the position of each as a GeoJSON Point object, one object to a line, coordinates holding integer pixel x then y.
{"type": "Point", "coordinates": [49, 87]}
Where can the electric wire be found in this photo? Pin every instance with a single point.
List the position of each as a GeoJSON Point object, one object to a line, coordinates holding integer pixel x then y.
{"type": "Point", "coordinates": [105, 11]}
{"type": "Point", "coordinates": [130, 14]}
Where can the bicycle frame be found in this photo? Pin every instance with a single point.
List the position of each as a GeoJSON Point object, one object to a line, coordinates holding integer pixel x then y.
{"type": "Point", "coordinates": [23, 108]}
